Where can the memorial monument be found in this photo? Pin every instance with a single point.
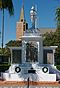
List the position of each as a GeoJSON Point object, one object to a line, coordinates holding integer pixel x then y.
{"type": "Point", "coordinates": [31, 63]}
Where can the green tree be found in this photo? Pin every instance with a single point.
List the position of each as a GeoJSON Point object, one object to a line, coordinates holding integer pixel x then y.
{"type": "Point", "coordinates": [58, 17]}
{"type": "Point", "coordinates": [48, 39]}
{"type": "Point", "coordinates": [8, 5]}
{"type": "Point", "coordinates": [14, 43]}
{"type": "Point", "coordinates": [57, 34]}
{"type": "Point", "coordinates": [54, 38]}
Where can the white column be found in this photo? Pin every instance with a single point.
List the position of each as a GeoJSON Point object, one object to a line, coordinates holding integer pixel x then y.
{"type": "Point", "coordinates": [53, 56]}
{"type": "Point", "coordinates": [11, 56]}
{"type": "Point", "coordinates": [40, 52]}
{"type": "Point", "coordinates": [23, 51]}
{"type": "Point", "coordinates": [9, 60]}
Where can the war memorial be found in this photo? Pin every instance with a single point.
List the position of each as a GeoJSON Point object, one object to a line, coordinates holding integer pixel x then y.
{"type": "Point", "coordinates": [31, 70]}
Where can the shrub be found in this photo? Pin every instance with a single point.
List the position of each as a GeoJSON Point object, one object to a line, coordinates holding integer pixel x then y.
{"type": "Point", "coordinates": [58, 67]}
{"type": "Point", "coordinates": [4, 67]}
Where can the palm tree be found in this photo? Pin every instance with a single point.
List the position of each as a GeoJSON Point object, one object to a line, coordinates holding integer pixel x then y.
{"type": "Point", "coordinates": [8, 5]}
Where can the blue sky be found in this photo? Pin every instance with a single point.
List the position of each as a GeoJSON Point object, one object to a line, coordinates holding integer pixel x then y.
{"type": "Point", "coordinates": [46, 16]}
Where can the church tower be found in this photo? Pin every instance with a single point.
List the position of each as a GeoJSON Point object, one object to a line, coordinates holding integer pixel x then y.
{"type": "Point", "coordinates": [21, 24]}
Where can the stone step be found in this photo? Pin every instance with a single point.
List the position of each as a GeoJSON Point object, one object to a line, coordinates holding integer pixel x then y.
{"type": "Point", "coordinates": [31, 83]}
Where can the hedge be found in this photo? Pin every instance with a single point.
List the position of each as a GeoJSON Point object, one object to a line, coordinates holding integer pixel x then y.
{"type": "Point", "coordinates": [4, 67]}
{"type": "Point", "coordinates": [58, 67]}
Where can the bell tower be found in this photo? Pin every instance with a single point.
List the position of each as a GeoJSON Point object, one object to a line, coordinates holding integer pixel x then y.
{"type": "Point", "coordinates": [21, 24]}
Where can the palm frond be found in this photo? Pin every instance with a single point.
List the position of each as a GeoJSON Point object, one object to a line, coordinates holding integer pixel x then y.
{"type": "Point", "coordinates": [7, 4]}
{"type": "Point", "coordinates": [10, 7]}
{"type": "Point", "coordinates": [0, 3]}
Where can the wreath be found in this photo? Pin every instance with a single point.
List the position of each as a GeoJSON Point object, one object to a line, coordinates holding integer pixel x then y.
{"type": "Point", "coordinates": [17, 69]}
{"type": "Point", "coordinates": [45, 69]}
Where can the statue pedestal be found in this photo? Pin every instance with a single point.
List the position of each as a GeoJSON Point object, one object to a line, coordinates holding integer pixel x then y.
{"type": "Point", "coordinates": [34, 71]}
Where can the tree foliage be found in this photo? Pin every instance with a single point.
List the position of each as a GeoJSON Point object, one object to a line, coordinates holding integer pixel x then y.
{"type": "Point", "coordinates": [53, 38]}
{"type": "Point", "coordinates": [48, 40]}
{"type": "Point", "coordinates": [58, 17]}
{"type": "Point", "coordinates": [6, 50]}
{"type": "Point", "coordinates": [7, 4]}
{"type": "Point", "coordinates": [14, 43]}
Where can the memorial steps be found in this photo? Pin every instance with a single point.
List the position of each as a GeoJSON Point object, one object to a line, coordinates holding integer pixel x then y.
{"type": "Point", "coordinates": [31, 83]}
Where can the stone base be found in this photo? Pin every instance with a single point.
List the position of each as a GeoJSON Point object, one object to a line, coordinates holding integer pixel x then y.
{"type": "Point", "coordinates": [23, 74]}
{"type": "Point", "coordinates": [32, 77]}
